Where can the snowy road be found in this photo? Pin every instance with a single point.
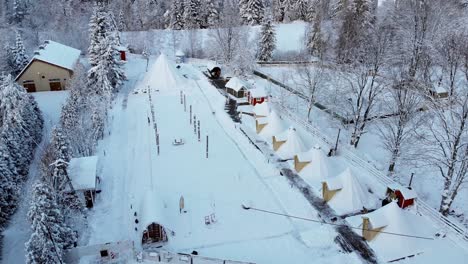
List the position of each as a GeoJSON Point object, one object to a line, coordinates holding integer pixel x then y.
{"type": "Point", "coordinates": [217, 185]}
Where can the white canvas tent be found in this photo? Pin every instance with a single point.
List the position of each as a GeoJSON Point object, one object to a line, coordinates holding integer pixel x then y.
{"type": "Point", "coordinates": [317, 170]}
{"type": "Point", "coordinates": [392, 219]}
{"type": "Point", "coordinates": [351, 196]}
{"type": "Point", "coordinates": [275, 126]}
{"type": "Point", "coordinates": [293, 144]}
{"type": "Point", "coordinates": [163, 67]}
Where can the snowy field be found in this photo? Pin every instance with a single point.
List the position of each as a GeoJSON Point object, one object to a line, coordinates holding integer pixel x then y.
{"type": "Point", "coordinates": [18, 232]}
{"type": "Point", "coordinates": [134, 176]}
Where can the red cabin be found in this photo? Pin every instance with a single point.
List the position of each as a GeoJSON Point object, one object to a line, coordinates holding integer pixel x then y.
{"type": "Point", "coordinates": [123, 53]}
{"type": "Point", "coordinates": [404, 195]}
{"type": "Point", "coordinates": [257, 96]}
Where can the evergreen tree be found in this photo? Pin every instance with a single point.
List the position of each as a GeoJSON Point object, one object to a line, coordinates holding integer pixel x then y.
{"type": "Point", "coordinates": [212, 9]}
{"type": "Point", "coordinates": [121, 23]}
{"type": "Point", "coordinates": [17, 58]}
{"type": "Point", "coordinates": [50, 234]}
{"type": "Point", "coordinates": [177, 15]}
{"type": "Point", "coordinates": [251, 11]}
{"type": "Point", "coordinates": [8, 186]}
{"type": "Point", "coordinates": [19, 9]}
{"type": "Point", "coordinates": [267, 42]}
{"type": "Point", "coordinates": [315, 43]}
{"type": "Point", "coordinates": [98, 31]}
{"type": "Point", "coordinates": [192, 14]}
{"type": "Point", "coordinates": [301, 9]}
{"type": "Point", "coordinates": [355, 29]}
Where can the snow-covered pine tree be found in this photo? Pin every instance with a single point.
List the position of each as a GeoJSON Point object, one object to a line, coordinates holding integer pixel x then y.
{"type": "Point", "coordinates": [8, 186]}
{"type": "Point", "coordinates": [19, 7]}
{"type": "Point", "coordinates": [116, 74]}
{"type": "Point", "coordinates": [301, 9]}
{"type": "Point", "coordinates": [177, 15]}
{"type": "Point", "coordinates": [315, 43]}
{"type": "Point", "coordinates": [50, 234]}
{"type": "Point", "coordinates": [17, 57]}
{"type": "Point", "coordinates": [267, 43]}
{"type": "Point", "coordinates": [212, 11]}
{"type": "Point", "coordinates": [192, 17]}
{"type": "Point", "coordinates": [121, 23]}
{"type": "Point", "coordinates": [98, 30]}
{"type": "Point", "coordinates": [97, 118]}
{"type": "Point", "coordinates": [278, 10]}
{"type": "Point", "coordinates": [358, 20]}
{"type": "Point", "coordinates": [252, 12]}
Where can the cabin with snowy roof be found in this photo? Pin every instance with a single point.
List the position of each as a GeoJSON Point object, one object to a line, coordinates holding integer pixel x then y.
{"type": "Point", "coordinates": [236, 87]}
{"type": "Point", "coordinates": [404, 195]}
{"type": "Point", "coordinates": [84, 179]}
{"type": "Point", "coordinates": [257, 96]}
{"type": "Point", "coordinates": [50, 68]}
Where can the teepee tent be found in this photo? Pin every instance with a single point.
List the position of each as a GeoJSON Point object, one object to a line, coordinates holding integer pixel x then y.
{"type": "Point", "coordinates": [346, 194]}
{"type": "Point", "coordinates": [274, 126]}
{"type": "Point", "coordinates": [288, 144]}
{"type": "Point", "coordinates": [317, 170]}
{"type": "Point", "coordinates": [392, 219]}
{"type": "Point", "coordinates": [163, 75]}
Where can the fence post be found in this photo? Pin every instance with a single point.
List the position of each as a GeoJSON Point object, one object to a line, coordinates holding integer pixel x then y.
{"type": "Point", "coordinates": [206, 146]}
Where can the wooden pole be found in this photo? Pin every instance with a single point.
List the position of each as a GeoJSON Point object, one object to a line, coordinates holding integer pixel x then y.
{"type": "Point", "coordinates": [411, 180]}
{"type": "Point", "coordinates": [337, 140]}
{"type": "Point", "coordinates": [157, 141]}
{"type": "Point", "coordinates": [181, 98]}
{"type": "Point", "coordinates": [185, 104]}
{"type": "Point", "coordinates": [199, 139]}
{"type": "Point", "coordinates": [206, 146]}
{"type": "Point", "coordinates": [190, 114]}
{"type": "Point", "coordinates": [195, 124]}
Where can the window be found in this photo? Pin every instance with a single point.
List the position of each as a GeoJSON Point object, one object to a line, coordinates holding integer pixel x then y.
{"type": "Point", "coordinates": [29, 86]}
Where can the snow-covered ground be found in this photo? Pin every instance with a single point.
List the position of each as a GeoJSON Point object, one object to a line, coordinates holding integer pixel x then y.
{"type": "Point", "coordinates": [18, 232]}
{"type": "Point", "coordinates": [134, 176]}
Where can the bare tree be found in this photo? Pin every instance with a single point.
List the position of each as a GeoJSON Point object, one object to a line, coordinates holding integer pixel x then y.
{"type": "Point", "coordinates": [308, 81]}
{"type": "Point", "coordinates": [447, 145]}
{"type": "Point", "coordinates": [397, 131]}
{"type": "Point", "coordinates": [365, 83]}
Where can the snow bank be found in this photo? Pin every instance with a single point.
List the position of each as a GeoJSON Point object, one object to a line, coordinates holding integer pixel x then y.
{"type": "Point", "coordinates": [292, 146]}
{"type": "Point", "coordinates": [353, 195]}
{"type": "Point", "coordinates": [163, 75]}
{"type": "Point", "coordinates": [262, 109]}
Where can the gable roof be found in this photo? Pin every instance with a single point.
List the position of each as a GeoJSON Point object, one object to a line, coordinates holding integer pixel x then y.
{"type": "Point", "coordinates": [82, 172]}
{"type": "Point", "coordinates": [236, 84]}
{"type": "Point", "coordinates": [56, 54]}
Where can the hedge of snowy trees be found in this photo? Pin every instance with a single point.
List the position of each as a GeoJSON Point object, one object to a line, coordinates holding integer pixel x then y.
{"type": "Point", "coordinates": [20, 132]}
{"type": "Point", "coordinates": [56, 208]}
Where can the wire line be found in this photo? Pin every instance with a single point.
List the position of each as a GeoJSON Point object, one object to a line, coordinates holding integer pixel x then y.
{"type": "Point", "coordinates": [333, 224]}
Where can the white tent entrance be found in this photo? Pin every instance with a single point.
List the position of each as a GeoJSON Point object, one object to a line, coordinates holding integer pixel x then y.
{"type": "Point", "coordinates": [154, 233]}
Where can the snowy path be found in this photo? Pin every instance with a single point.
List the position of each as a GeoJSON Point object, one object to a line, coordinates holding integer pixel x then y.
{"type": "Point", "coordinates": [18, 232]}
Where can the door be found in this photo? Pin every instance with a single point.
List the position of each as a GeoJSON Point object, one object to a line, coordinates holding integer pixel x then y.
{"type": "Point", "coordinates": [30, 87]}
{"type": "Point", "coordinates": [55, 86]}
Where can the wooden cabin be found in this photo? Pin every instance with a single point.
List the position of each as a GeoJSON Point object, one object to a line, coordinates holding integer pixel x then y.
{"type": "Point", "coordinates": [236, 87]}
{"type": "Point", "coordinates": [84, 179]}
{"type": "Point", "coordinates": [50, 69]}
{"type": "Point", "coordinates": [405, 196]}
{"type": "Point", "coordinates": [257, 96]}
{"type": "Point", "coordinates": [180, 57]}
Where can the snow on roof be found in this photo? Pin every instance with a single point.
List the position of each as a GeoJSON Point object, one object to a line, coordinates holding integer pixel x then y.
{"type": "Point", "coordinates": [407, 193]}
{"type": "Point", "coordinates": [262, 120]}
{"type": "Point", "coordinates": [353, 195]}
{"type": "Point", "coordinates": [317, 170]}
{"type": "Point", "coordinates": [82, 172]}
{"type": "Point", "coordinates": [179, 53]}
{"type": "Point", "coordinates": [262, 109]}
{"type": "Point", "coordinates": [393, 219]}
{"type": "Point", "coordinates": [236, 84]}
{"type": "Point", "coordinates": [440, 89]}
{"type": "Point", "coordinates": [258, 92]}
{"type": "Point", "coordinates": [292, 146]}
{"type": "Point", "coordinates": [275, 125]}
{"type": "Point", "coordinates": [58, 54]}
{"type": "Point", "coordinates": [121, 48]}
{"type": "Point", "coordinates": [163, 75]}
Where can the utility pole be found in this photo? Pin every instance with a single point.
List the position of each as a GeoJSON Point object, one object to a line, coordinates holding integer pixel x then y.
{"type": "Point", "coordinates": [411, 180]}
